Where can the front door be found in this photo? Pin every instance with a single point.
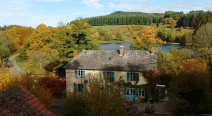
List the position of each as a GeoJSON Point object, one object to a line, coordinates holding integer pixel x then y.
{"type": "Point", "coordinates": [130, 93]}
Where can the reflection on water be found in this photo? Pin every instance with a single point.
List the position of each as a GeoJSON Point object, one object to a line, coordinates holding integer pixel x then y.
{"type": "Point", "coordinates": [115, 46]}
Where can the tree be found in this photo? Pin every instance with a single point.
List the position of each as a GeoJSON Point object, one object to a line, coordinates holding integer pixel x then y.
{"type": "Point", "coordinates": [189, 89]}
{"type": "Point", "coordinates": [40, 59]}
{"type": "Point", "coordinates": [202, 41]}
{"type": "Point", "coordinates": [173, 23]}
{"type": "Point", "coordinates": [172, 38]}
{"type": "Point", "coordinates": [5, 47]}
{"type": "Point", "coordinates": [146, 39]}
{"type": "Point", "coordinates": [202, 37]}
{"type": "Point", "coordinates": [4, 54]}
{"type": "Point", "coordinates": [40, 39]}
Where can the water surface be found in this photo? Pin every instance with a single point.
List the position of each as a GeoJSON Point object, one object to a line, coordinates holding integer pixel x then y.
{"type": "Point", "coordinates": [115, 46]}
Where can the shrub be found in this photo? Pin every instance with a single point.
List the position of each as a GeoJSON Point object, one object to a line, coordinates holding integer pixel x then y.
{"type": "Point", "coordinates": [54, 84]}
{"type": "Point", "coordinates": [101, 99]}
{"type": "Point", "coordinates": [119, 36]}
{"type": "Point", "coordinates": [75, 104]}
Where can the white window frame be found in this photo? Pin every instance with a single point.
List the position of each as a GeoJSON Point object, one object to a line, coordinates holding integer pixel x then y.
{"type": "Point", "coordinates": [109, 76]}
{"type": "Point", "coordinates": [79, 74]}
{"type": "Point", "coordinates": [132, 76]}
{"type": "Point", "coordinates": [141, 92]}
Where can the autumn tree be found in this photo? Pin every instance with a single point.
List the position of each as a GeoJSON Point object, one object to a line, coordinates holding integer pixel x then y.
{"type": "Point", "coordinates": [173, 23]}
{"type": "Point", "coordinates": [189, 89]}
{"type": "Point", "coordinates": [5, 47]}
{"type": "Point", "coordinates": [145, 39]}
{"type": "Point", "coordinates": [19, 35]}
{"type": "Point", "coordinates": [40, 39]}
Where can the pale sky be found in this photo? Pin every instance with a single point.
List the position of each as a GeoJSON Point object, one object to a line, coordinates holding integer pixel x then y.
{"type": "Point", "coordinates": [50, 12]}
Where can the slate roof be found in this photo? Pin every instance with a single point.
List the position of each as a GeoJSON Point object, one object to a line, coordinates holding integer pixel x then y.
{"type": "Point", "coordinates": [131, 60]}
{"type": "Point", "coordinates": [18, 101]}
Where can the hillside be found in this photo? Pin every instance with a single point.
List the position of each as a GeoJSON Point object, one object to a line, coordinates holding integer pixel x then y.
{"type": "Point", "coordinates": [140, 18]}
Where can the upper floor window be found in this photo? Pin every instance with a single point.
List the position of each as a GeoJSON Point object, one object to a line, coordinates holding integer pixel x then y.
{"type": "Point", "coordinates": [80, 74]}
{"type": "Point", "coordinates": [132, 76]}
{"type": "Point", "coordinates": [108, 75]}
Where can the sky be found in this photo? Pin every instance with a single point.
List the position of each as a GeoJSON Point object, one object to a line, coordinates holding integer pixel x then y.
{"type": "Point", "coordinates": [50, 12]}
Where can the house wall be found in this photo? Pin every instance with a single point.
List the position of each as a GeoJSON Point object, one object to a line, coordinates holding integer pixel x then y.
{"type": "Point", "coordinates": [70, 77]}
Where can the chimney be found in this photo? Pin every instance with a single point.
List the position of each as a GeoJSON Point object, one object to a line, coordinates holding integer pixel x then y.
{"type": "Point", "coordinates": [152, 51]}
{"type": "Point", "coordinates": [121, 50]}
{"type": "Point", "coordinates": [75, 53]}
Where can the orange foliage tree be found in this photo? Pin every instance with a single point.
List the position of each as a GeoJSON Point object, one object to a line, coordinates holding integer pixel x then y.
{"type": "Point", "coordinates": [19, 35]}
{"type": "Point", "coordinates": [189, 89]}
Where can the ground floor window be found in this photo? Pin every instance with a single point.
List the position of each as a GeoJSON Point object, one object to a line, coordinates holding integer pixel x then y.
{"type": "Point", "coordinates": [78, 87]}
{"type": "Point", "coordinates": [141, 93]}
{"type": "Point", "coordinates": [135, 92]}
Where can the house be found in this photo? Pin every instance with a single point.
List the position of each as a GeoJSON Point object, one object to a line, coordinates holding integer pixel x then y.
{"type": "Point", "coordinates": [124, 64]}
{"type": "Point", "coordinates": [18, 101]}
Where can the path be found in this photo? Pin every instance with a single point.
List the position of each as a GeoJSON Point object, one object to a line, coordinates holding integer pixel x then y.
{"type": "Point", "coordinates": [14, 69]}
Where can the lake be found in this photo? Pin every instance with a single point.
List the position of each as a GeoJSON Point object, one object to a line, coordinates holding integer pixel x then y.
{"type": "Point", "coordinates": [115, 46]}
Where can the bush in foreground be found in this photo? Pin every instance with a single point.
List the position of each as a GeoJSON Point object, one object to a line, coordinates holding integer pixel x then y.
{"type": "Point", "coordinates": [100, 98]}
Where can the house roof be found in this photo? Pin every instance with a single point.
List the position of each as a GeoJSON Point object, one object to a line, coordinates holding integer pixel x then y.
{"type": "Point", "coordinates": [131, 60]}
{"type": "Point", "coordinates": [18, 101]}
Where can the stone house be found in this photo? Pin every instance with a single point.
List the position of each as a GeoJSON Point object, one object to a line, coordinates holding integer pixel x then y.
{"type": "Point", "coordinates": [124, 64]}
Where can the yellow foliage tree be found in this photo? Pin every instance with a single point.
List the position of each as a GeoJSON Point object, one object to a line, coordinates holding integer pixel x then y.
{"type": "Point", "coordinates": [145, 39]}
{"type": "Point", "coordinates": [149, 33]}
{"type": "Point", "coordinates": [18, 34]}
{"type": "Point", "coordinates": [41, 38]}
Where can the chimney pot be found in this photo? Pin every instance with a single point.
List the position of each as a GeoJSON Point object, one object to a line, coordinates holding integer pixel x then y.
{"type": "Point", "coordinates": [121, 50]}
{"type": "Point", "coordinates": [152, 51]}
{"type": "Point", "coordinates": [75, 53]}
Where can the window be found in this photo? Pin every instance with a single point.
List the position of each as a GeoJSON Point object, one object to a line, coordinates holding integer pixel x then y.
{"type": "Point", "coordinates": [78, 87]}
{"type": "Point", "coordinates": [79, 74]}
{"type": "Point", "coordinates": [132, 76]}
{"type": "Point", "coordinates": [141, 92]}
{"type": "Point", "coordinates": [109, 75]}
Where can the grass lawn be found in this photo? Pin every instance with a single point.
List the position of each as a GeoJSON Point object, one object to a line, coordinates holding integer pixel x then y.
{"type": "Point", "coordinates": [107, 27]}
{"type": "Point", "coordinates": [23, 67]}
